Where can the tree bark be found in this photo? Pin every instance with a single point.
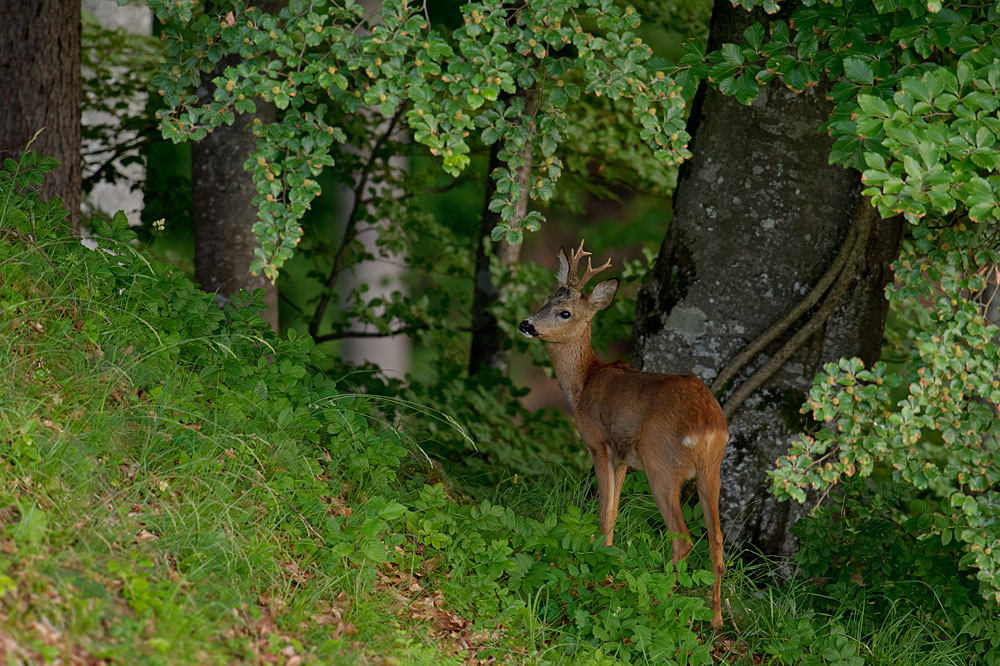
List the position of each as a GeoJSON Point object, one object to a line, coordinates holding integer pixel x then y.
{"type": "Point", "coordinates": [488, 349]}
{"type": "Point", "coordinates": [758, 217]}
{"type": "Point", "coordinates": [41, 84]}
{"type": "Point", "coordinates": [222, 195]}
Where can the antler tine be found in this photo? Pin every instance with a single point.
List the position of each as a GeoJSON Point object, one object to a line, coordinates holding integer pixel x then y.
{"type": "Point", "coordinates": [575, 281]}
{"type": "Point", "coordinates": [591, 272]}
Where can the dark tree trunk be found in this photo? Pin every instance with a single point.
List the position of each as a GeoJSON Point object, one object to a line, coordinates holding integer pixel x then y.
{"type": "Point", "coordinates": [40, 80]}
{"type": "Point", "coordinates": [487, 347]}
{"type": "Point", "coordinates": [222, 195]}
{"type": "Point", "coordinates": [488, 343]}
{"type": "Point", "coordinates": [759, 216]}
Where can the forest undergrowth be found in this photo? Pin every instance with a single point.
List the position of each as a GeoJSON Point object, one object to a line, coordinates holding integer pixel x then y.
{"type": "Point", "coordinates": [180, 486]}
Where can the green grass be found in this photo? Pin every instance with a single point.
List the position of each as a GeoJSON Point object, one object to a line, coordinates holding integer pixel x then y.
{"type": "Point", "coordinates": [139, 524]}
{"type": "Point", "coordinates": [179, 486]}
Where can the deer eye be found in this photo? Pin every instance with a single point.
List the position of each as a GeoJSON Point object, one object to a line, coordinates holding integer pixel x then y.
{"type": "Point", "coordinates": [565, 314]}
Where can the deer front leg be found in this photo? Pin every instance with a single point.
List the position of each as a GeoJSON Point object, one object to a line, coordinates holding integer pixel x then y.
{"type": "Point", "coordinates": [619, 481]}
{"type": "Point", "coordinates": [606, 490]}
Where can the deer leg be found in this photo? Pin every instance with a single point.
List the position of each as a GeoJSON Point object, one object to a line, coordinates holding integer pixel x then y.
{"type": "Point", "coordinates": [618, 480]}
{"type": "Point", "coordinates": [605, 473]}
{"type": "Point", "coordinates": [666, 488]}
{"type": "Point", "coordinates": [708, 495]}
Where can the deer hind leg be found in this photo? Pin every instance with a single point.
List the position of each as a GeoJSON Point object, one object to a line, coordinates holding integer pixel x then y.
{"type": "Point", "coordinates": [708, 495]}
{"type": "Point", "coordinates": [666, 488]}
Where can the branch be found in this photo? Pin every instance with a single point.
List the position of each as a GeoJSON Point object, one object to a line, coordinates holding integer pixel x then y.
{"type": "Point", "coordinates": [340, 335]}
{"type": "Point", "coordinates": [403, 330]}
{"type": "Point", "coordinates": [292, 304]}
{"type": "Point", "coordinates": [350, 226]}
{"type": "Point", "coordinates": [864, 216]}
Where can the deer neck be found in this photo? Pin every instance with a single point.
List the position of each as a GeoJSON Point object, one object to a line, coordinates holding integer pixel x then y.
{"type": "Point", "coordinates": [573, 361]}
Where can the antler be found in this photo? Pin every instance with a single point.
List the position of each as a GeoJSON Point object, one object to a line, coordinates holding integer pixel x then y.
{"type": "Point", "coordinates": [569, 265]}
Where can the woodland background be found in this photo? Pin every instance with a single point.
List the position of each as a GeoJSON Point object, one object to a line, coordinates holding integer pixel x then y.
{"type": "Point", "coordinates": [329, 452]}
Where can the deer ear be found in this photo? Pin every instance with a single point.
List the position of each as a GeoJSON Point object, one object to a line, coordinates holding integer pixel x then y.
{"type": "Point", "coordinates": [563, 273]}
{"type": "Point", "coordinates": [604, 293]}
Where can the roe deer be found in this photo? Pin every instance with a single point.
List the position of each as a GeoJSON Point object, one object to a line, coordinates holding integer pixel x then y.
{"type": "Point", "coordinates": [671, 426]}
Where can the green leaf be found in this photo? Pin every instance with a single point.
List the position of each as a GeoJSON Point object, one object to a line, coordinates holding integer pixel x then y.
{"type": "Point", "coordinates": [858, 71]}
{"type": "Point", "coordinates": [732, 54]}
{"type": "Point", "coordinates": [392, 511]}
{"type": "Point", "coordinates": [874, 106]}
{"type": "Point", "coordinates": [102, 228]}
{"type": "Point", "coordinates": [744, 88]}
{"type": "Point", "coordinates": [754, 36]}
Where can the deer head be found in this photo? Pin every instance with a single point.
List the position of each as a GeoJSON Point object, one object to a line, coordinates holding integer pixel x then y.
{"type": "Point", "coordinates": [566, 314]}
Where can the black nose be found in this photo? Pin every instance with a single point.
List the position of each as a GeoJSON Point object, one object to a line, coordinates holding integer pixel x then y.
{"type": "Point", "coordinates": [528, 329]}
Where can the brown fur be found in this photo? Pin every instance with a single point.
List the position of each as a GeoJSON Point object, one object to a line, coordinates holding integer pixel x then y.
{"type": "Point", "coordinates": [670, 426]}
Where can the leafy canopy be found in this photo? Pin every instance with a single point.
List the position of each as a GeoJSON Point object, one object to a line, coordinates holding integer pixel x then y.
{"type": "Point", "coordinates": [314, 57]}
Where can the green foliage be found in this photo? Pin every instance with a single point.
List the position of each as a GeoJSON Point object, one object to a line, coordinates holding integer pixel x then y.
{"type": "Point", "coordinates": [488, 436]}
{"type": "Point", "coordinates": [915, 111]}
{"type": "Point", "coordinates": [321, 65]}
{"type": "Point", "coordinates": [915, 87]}
{"type": "Point", "coordinates": [556, 570]}
{"type": "Point", "coordinates": [155, 445]}
{"type": "Point", "coordinates": [932, 422]}
{"type": "Point", "coordinates": [117, 67]}
{"type": "Point", "coordinates": [872, 550]}
{"type": "Point", "coordinates": [862, 546]}
{"type": "Point", "coordinates": [185, 462]}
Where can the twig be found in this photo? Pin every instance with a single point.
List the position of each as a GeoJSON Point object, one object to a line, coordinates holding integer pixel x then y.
{"type": "Point", "coordinates": [340, 335]}
{"type": "Point", "coordinates": [863, 218]}
{"type": "Point", "coordinates": [404, 330]}
{"type": "Point", "coordinates": [350, 227]}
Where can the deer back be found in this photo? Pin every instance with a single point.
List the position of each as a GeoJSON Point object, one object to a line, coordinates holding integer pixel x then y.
{"type": "Point", "coordinates": [635, 412]}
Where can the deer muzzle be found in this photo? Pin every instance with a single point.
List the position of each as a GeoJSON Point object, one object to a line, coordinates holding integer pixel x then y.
{"type": "Point", "coordinates": [528, 329]}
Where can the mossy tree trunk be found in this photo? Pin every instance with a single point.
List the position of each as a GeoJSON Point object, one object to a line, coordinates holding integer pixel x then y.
{"type": "Point", "coordinates": [759, 216]}
{"type": "Point", "coordinates": [41, 87]}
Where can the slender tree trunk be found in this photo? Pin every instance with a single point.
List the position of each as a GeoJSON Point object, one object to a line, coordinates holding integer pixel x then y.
{"type": "Point", "coordinates": [222, 195]}
{"type": "Point", "coordinates": [488, 343]}
{"type": "Point", "coordinates": [383, 275]}
{"type": "Point", "coordinates": [40, 80]}
{"type": "Point", "coordinates": [759, 217]}
{"type": "Point", "coordinates": [123, 195]}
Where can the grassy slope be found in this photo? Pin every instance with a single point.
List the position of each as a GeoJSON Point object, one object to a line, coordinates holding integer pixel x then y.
{"type": "Point", "coordinates": [163, 498]}
{"type": "Point", "coordinates": [179, 487]}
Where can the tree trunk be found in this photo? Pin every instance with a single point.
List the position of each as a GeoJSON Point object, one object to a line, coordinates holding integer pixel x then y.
{"type": "Point", "coordinates": [487, 348]}
{"type": "Point", "coordinates": [41, 84]}
{"type": "Point", "coordinates": [383, 275]}
{"type": "Point", "coordinates": [759, 216]}
{"type": "Point", "coordinates": [222, 195]}
{"type": "Point", "coordinates": [126, 194]}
